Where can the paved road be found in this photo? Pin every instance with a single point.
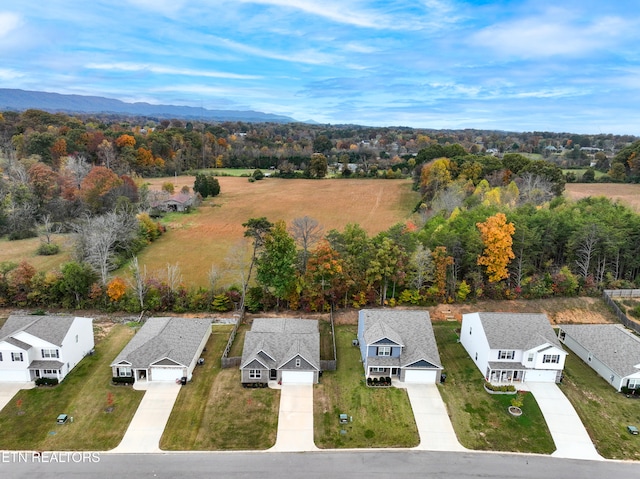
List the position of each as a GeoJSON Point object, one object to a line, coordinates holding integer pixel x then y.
{"type": "Point", "coordinates": [323, 465]}
{"type": "Point", "coordinates": [571, 438]}
{"type": "Point", "coordinates": [295, 419]}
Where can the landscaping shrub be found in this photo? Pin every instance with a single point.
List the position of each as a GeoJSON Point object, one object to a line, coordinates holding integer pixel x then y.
{"type": "Point", "coordinates": [123, 380]}
{"type": "Point", "coordinates": [48, 249]}
{"type": "Point", "coordinates": [46, 381]}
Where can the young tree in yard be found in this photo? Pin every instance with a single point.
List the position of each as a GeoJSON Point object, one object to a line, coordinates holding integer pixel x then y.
{"type": "Point", "coordinates": [276, 266]}
{"type": "Point", "coordinates": [497, 236]}
{"type": "Point", "coordinates": [306, 231]}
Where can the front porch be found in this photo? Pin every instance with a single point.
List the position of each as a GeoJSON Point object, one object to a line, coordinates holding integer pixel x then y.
{"type": "Point", "coordinates": [499, 373]}
{"type": "Point", "coordinates": [46, 369]}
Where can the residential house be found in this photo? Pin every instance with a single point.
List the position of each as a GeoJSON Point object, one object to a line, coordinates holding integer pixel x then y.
{"type": "Point", "coordinates": [510, 347]}
{"type": "Point", "coordinates": [398, 344]}
{"type": "Point", "coordinates": [48, 346]}
{"type": "Point", "coordinates": [611, 350]}
{"type": "Point", "coordinates": [163, 349]}
{"type": "Point", "coordinates": [281, 349]}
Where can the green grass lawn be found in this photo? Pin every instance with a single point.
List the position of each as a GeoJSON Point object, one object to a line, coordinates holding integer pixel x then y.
{"type": "Point", "coordinates": [214, 412]}
{"type": "Point", "coordinates": [481, 420]}
{"type": "Point", "coordinates": [326, 340]}
{"type": "Point", "coordinates": [84, 394]}
{"type": "Point", "coordinates": [382, 417]}
{"type": "Point", "coordinates": [238, 342]}
{"type": "Point", "coordinates": [604, 412]}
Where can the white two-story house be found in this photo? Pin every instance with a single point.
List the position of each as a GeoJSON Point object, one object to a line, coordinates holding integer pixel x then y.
{"type": "Point", "coordinates": [511, 347]}
{"type": "Point", "coordinates": [32, 347]}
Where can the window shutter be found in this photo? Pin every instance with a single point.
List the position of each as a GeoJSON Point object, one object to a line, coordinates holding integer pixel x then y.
{"type": "Point", "coordinates": [57, 353]}
{"type": "Point", "coordinates": [42, 353]}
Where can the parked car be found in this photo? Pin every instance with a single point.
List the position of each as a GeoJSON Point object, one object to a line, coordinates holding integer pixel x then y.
{"type": "Point", "coordinates": [632, 430]}
{"type": "Point", "coordinates": [62, 419]}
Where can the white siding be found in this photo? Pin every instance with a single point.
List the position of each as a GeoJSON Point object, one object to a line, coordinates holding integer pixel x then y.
{"type": "Point", "coordinates": [474, 340]}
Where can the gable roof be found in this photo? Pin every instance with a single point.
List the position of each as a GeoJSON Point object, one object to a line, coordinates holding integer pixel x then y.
{"type": "Point", "coordinates": [177, 339]}
{"type": "Point", "coordinates": [612, 344]}
{"type": "Point", "coordinates": [412, 329]}
{"type": "Point", "coordinates": [275, 341]}
{"type": "Point", "coordinates": [52, 329]}
{"type": "Point", "coordinates": [521, 331]}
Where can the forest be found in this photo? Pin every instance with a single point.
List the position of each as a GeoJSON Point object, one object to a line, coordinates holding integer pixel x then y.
{"type": "Point", "coordinates": [492, 221]}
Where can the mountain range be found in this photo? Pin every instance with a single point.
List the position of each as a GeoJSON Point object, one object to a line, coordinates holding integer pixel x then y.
{"type": "Point", "coordinates": [20, 100]}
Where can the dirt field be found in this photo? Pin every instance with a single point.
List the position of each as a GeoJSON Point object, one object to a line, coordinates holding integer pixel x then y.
{"type": "Point", "coordinates": [626, 194]}
{"type": "Point", "coordinates": [198, 241]}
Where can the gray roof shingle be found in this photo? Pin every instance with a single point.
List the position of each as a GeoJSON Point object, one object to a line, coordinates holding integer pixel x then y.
{"type": "Point", "coordinates": [281, 339]}
{"type": "Point", "coordinates": [612, 344]}
{"type": "Point", "coordinates": [52, 329]}
{"type": "Point", "coordinates": [175, 338]}
{"type": "Point", "coordinates": [521, 331]}
{"type": "Point", "coordinates": [412, 329]}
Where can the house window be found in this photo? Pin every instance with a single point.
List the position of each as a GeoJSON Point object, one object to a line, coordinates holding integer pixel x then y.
{"type": "Point", "coordinates": [16, 357]}
{"type": "Point", "coordinates": [255, 373]}
{"type": "Point", "coordinates": [633, 384]}
{"type": "Point", "coordinates": [530, 358]}
{"type": "Point", "coordinates": [76, 338]}
{"type": "Point", "coordinates": [476, 356]}
{"type": "Point", "coordinates": [506, 354]}
{"type": "Point", "coordinates": [551, 358]}
{"type": "Point", "coordinates": [384, 351]}
{"type": "Point", "coordinates": [50, 353]}
{"type": "Point", "coordinates": [378, 370]}
{"type": "Point", "coordinates": [298, 362]}
{"type": "Point", "coordinates": [470, 328]}
{"type": "Point", "coordinates": [124, 372]}
{"type": "Point", "coordinates": [0, 356]}
{"type": "Point", "coordinates": [49, 371]}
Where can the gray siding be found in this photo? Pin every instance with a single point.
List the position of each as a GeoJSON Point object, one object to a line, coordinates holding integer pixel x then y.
{"type": "Point", "coordinates": [602, 369]}
{"type": "Point", "coordinates": [263, 378]}
{"type": "Point", "coordinates": [304, 365]}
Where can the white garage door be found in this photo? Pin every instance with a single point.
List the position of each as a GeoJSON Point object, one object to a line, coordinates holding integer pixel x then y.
{"type": "Point", "coordinates": [297, 377]}
{"type": "Point", "coordinates": [18, 376]}
{"type": "Point", "coordinates": [420, 376]}
{"type": "Point", "coordinates": [165, 374]}
{"type": "Point", "coordinates": [541, 376]}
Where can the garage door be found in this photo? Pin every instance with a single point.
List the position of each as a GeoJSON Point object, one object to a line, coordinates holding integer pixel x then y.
{"type": "Point", "coordinates": [420, 376]}
{"type": "Point", "coordinates": [15, 376]}
{"type": "Point", "coordinates": [165, 374]}
{"type": "Point", "coordinates": [297, 377]}
{"type": "Point", "coordinates": [541, 376]}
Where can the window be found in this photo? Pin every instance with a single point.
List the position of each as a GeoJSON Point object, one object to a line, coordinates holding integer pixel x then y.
{"type": "Point", "coordinates": [506, 354]}
{"type": "Point", "coordinates": [378, 370]}
{"type": "Point", "coordinates": [633, 384]}
{"type": "Point", "coordinates": [0, 356]}
{"type": "Point", "coordinates": [551, 358]}
{"type": "Point", "coordinates": [470, 328]}
{"type": "Point", "coordinates": [16, 357]}
{"type": "Point", "coordinates": [530, 358]}
{"type": "Point", "coordinates": [476, 356]}
{"type": "Point", "coordinates": [49, 371]}
{"type": "Point", "coordinates": [298, 362]}
{"type": "Point", "coordinates": [76, 338]}
{"type": "Point", "coordinates": [50, 353]}
{"type": "Point", "coordinates": [255, 373]}
{"type": "Point", "coordinates": [124, 372]}
{"type": "Point", "coordinates": [384, 351]}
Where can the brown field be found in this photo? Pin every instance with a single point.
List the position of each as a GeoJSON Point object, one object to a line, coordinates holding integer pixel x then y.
{"type": "Point", "coordinates": [199, 240]}
{"type": "Point", "coordinates": [628, 195]}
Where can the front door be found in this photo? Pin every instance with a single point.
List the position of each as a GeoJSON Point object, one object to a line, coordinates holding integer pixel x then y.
{"type": "Point", "coordinates": [273, 374]}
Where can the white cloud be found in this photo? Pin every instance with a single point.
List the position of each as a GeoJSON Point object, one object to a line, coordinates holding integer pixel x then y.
{"type": "Point", "coordinates": [134, 67]}
{"type": "Point", "coordinates": [8, 23]}
{"type": "Point", "coordinates": [166, 7]}
{"type": "Point", "coordinates": [8, 74]}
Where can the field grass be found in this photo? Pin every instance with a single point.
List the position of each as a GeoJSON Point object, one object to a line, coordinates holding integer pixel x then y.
{"type": "Point", "coordinates": [481, 420]}
{"type": "Point", "coordinates": [604, 412]}
{"type": "Point", "coordinates": [26, 250]}
{"type": "Point", "coordinates": [214, 412]}
{"type": "Point", "coordinates": [581, 171]}
{"type": "Point", "coordinates": [83, 395]}
{"type": "Point", "coordinates": [382, 417]}
{"type": "Point", "coordinates": [626, 194]}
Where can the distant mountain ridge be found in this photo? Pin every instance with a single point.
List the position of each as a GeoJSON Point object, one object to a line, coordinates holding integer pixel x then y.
{"type": "Point", "coordinates": [20, 100]}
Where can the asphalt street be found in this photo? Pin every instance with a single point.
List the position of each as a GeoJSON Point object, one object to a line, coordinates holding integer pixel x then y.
{"type": "Point", "coordinates": [343, 464]}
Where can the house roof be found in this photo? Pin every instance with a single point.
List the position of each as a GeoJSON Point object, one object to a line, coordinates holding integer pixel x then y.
{"type": "Point", "coordinates": [49, 328]}
{"type": "Point", "coordinates": [612, 344]}
{"type": "Point", "coordinates": [521, 331]}
{"type": "Point", "coordinates": [411, 329]}
{"type": "Point", "coordinates": [177, 339]}
{"type": "Point", "coordinates": [44, 364]}
{"type": "Point", "coordinates": [275, 341]}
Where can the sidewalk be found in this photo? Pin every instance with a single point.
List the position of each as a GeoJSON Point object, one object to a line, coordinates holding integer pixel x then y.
{"type": "Point", "coordinates": [571, 438]}
{"type": "Point", "coordinates": [146, 428]}
{"type": "Point", "coordinates": [434, 426]}
{"type": "Point", "coordinates": [295, 419]}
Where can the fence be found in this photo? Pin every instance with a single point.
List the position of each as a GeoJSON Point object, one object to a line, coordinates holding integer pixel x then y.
{"type": "Point", "coordinates": [622, 293]}
{"type": "Point", "coordinates": [226, 361]}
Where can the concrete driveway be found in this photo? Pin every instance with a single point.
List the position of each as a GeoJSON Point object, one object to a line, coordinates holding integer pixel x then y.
{"type": "Point", "coordinates": [295, 419]}
{"type": "Point", "coordinates": [434, 426]}
{"type": "Point", "coordinates": [571, 438]}
{"type": "Point", "coordinates": [8, 390]}
{"type": "Point", "coordinates": [150, 419]}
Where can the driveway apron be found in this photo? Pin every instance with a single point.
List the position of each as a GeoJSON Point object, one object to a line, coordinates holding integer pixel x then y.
{"type": "Point", "coordinates": [8, 390]}
{"type": "Point", "coordinates": [571, 438]}
{"type": "Point", "coordinates": [148, 423]}
{"type": "Point", "coordinates": [295, 419]}
{"type": "Point", "coordinates": [434, 426]}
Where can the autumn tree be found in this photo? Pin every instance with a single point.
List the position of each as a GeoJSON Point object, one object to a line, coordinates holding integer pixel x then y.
{"type": "Point", "coordinates": [96, 185]}
{"type": "Point", "coordinates": [441, 262]}
{"type": "Point", "coordinates": [306, 231]}
{"type": "Point", "coordinates": [256, 229]}
{"type": "Point", "coordinates": [497, 236]}
{"type": "Point", "coordinates": [276, 268]}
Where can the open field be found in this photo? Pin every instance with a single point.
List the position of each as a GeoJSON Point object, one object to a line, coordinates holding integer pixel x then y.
{"type": "Point", "coordinates": [199, 240]}
{"type": "Point", "coordinates": [626, 194]}
{"type": "Point", "coordinates": [84, 394]}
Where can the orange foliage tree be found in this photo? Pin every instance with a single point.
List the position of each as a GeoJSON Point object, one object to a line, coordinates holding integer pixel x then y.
{"type": "Point", "coordinates": [441, 261]}
{"type": "Point", "coordinates": [125, 140]}
{"type": "Point", "coordinates": [116, 289]}
{"type": "Point", "coordinates": [97, 184]}
{"type": "Point", "coordinates": [497, 236]}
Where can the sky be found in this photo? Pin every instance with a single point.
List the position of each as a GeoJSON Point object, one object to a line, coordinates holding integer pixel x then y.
{"type": "Point", "coordinates": [515, 65]}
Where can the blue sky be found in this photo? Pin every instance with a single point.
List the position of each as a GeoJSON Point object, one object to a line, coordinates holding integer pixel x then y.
{"type": "Point", "coordinates": [518, 65]}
